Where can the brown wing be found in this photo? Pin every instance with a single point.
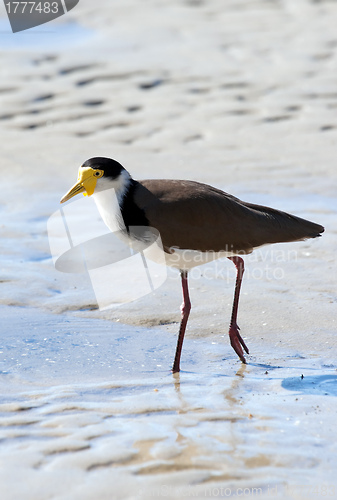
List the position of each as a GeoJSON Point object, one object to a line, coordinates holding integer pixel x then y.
{"type": "Point", "coordinates": [197, 216]}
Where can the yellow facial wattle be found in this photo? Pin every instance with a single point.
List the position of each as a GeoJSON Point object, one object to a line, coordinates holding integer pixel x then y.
{"type": "Point", "coordinates": [86, 183]}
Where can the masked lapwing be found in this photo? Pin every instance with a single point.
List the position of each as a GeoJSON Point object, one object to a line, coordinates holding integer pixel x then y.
{"type": "Point", "coordinates": [197, 223]}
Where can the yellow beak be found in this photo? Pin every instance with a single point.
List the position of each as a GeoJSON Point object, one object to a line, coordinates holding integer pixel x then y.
{"type": "Point", "coordinates": [86, 183]}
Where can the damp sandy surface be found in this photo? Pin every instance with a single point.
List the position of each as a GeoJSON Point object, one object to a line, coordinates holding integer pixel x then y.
{"type": "Point", "coordinates": [90, 410]}
{"type": "Point", "coordinates": [240, 96]}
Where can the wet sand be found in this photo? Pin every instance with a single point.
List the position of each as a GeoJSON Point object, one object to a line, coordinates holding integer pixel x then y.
{"type": "Point", "coordinates": [89, 411]}
{"type": "Point", "coordinates": [242, 97]}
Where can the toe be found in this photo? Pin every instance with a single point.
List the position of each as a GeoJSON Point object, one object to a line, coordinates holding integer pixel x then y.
{"type": "Point", "coordinates": [236, 342]}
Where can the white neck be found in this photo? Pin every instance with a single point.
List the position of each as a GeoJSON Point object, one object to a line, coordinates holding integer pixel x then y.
{"type": "Point", "coordinates": [120, 185]}
{"type": "Point", "coordinates": [108, 196]}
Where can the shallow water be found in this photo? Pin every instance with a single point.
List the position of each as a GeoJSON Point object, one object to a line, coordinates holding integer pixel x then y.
{"type": "Point", "coordinates": [46, 37]}
{"type": "Point", "coordinates": [241, 96]}
{"type": "Point", "coordinates": [95, 403]}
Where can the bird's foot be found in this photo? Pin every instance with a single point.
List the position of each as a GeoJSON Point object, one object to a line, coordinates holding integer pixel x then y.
{"type": "Point", "coordinates": [237, 341]}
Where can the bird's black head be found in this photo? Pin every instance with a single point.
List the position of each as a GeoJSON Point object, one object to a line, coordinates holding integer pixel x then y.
{"type": "Point", "coordinates": [111, 168]}
{"type": "Point", "coordinates": [98, 174]}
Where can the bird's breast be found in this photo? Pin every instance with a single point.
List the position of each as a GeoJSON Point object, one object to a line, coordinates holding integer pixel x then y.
{"type": "Point", "coordinates": [186, 259]}
{"type": "Point", "coordinates": [108, 207]}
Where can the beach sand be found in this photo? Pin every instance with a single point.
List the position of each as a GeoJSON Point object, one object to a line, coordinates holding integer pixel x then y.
{"type": "Point", "coordinates": [239, 94]}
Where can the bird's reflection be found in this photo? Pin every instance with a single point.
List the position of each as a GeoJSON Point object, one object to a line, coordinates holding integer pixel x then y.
{"type": "Point", "coordinates": [176, 381]}
{"type": "Point", "coordinates": [230, 393]}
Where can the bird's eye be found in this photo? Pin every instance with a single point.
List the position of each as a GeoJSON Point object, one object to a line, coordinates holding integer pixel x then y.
{"type": "Point", "coordinates": [97, 174]}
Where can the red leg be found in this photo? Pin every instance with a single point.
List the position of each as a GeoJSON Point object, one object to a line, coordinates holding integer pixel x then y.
{"type": "Point", "coordinates": [234, 335]}
{"type": "Point", "coordinates": [185, 312]}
